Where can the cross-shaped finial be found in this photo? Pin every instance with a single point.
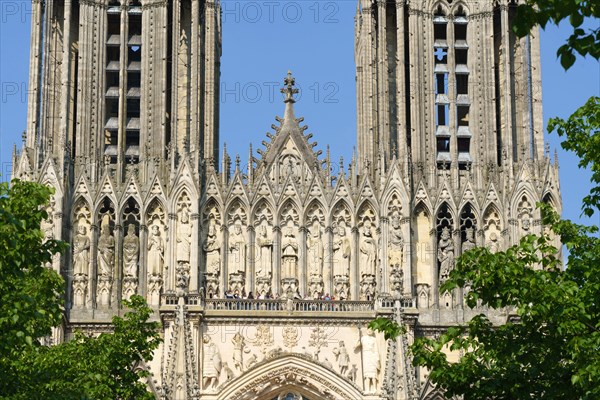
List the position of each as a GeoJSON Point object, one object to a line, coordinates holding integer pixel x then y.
{"type": "Point", "coordinates": [289, 90]}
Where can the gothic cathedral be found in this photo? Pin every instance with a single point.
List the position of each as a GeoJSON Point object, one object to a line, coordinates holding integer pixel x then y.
{"type": "Point", "coordinates": [265, 279]}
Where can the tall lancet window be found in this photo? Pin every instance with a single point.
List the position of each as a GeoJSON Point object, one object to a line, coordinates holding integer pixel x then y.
{"type": "Point", "coordinates": [451, 74]}
{"type": "Point", "coordinates": [134, 71]}
{"type": "Point", "coordinates": [123, 81]}
{"type": "Point", "coordinates": [441, 71]}
{"type": "Point", "coordinates": [463, 103]}
{"type": "Point", "coordinates": [113, 81]}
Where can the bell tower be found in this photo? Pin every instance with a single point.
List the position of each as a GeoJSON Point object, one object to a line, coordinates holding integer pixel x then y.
{"type": "Point", "coordinates": [447, 85]}
{"type": "Point", "coordinates": [119, 86]}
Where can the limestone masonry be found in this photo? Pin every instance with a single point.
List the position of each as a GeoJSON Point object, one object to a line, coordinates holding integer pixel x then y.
{"type": "Point", "coordinates": [265, 279]}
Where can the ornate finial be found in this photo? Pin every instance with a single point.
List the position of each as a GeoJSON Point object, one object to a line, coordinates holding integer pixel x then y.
{"type": "Point", "coordinates": [24, 137]}
{"type": "Point", "coordinates": [237, 161]}
{"type": "Point", "coordinates": [547, 149]}
{"type": "Point", "coordinates": [289, 90]}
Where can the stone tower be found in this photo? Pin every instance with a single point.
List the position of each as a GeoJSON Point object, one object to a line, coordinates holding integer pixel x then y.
{"type": "Point", "coordinates": [123, 122]}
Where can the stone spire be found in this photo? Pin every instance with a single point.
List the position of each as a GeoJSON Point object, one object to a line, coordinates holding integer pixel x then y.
{"type": "Point", "coordinates": [289, 119]}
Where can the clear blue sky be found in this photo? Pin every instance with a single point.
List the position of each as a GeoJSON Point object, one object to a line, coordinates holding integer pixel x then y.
{"type": "Point", "coordinates": [314, 39]}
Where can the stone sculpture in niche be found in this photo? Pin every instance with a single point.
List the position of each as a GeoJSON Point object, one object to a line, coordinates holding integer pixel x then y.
{"type": "Point", "coordinates": [341, 253]}
{"type": "Point", "coordinates": [155, 264]}
{"type": "Point", "coordinates": [341, 262]}
{"type": "Point", "coordinates": [367, 343]}
{"type": "Point", "coordinates": [131, 251]}
{"type": "Point", "coordinates": [445, 254]}
{"type": "Point", "coordinates": [212, 248]}
{"type": "Point", "coordinates": [289, 261]}
{"type": "Point", "coordinates": [156, 249]}
{"type": "Point", "coordinates": [368, 250]}
{"type": "Point", "coordinates": [289, 250]}
{"type": "Point", "coordinates": [469, 242]}
{"type": "Point", "coordinates": [264, 248]}
{"type": "Point", "coordinates": [81, 264]}
{"type": "Point", "coordinates": [184, 238]}
{"type": "Point", "coordinates": [237, 250]}
{"type": "Point", "coordinates": [494, 243]}
{"type": "Point", "coordinates": [81, 248]}
{"type": "Point", "coordinates": [367, 260]}
{"type": "Point", "coordinates": [106, 251]}
{"type": "Point", "coordinates": [314, 243]}
{"type": "Point", "coordinates": [212, 251]}
{"type": "Point", "coordinates": [106, 259]}
{"type": "Point", "coordinates": [396, 254]}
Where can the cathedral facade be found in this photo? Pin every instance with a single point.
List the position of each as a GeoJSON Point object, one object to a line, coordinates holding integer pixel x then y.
{"type": "Point", "coordinates": [265, 279]}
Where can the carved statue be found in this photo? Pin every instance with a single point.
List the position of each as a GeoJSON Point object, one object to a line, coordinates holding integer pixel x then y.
{"type": "Point", "coordinates": [184, 238]}
{"type": "Point", "coordinates": [106, 252]}
{"type": "Point", "coordinates": [81, 247]}
{"type": "Point", "coordinates": [264, 245]}
{"type": "Point", "coordinates": [494, 243]}
{"type": "Point", "coordinates": [212, 248]}
{"type": "Point", "coordinates": [342, 357]}
{"type": "Point", "coordinates": [155, 252]}
{"type": "Point", "coordinates": [211, 364]}
{"type": "Point", "coordinates": [131, 250]}
{"type": "Point", "coordinates": [368, 250]}
{"type": "Point", "coordinates": [445, 254]}
{"type": "Point", "coordinates": [314, 242]}
{"type": "Point", "coordinates": [341, 253]}
{"type": "Point", "coordinates": [289, 249]}
{"type": "Point", "coordinates": [238, 351]}
{"type": "Point", "coordinates": [469, 242]}
{"type": "Point", "coordinates": [395, 242]}
{"type": "Point", "coordinates": [370, 360]}
{"type": "Point", "coordinates": [237, 250]}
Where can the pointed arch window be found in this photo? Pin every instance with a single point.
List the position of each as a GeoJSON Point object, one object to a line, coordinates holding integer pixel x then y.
{"type": "Point", "coordinates": [123, 81]}
{"type": "Point", "coordinates": [452, 102]}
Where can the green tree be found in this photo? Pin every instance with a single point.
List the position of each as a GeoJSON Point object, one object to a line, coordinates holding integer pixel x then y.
{"type": "Point", "coordinates": [550, 348]}
{"type": "Point", "coordinates": [581, 41]}
{"type": "Point", "coordinates": [109, 366]}
{"type": "Point", "coordinates": [30, 294]}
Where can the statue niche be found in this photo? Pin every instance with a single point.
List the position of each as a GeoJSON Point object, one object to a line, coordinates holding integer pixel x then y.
{"type": "Point", "coordinates": [212, 252]}
{"type": "Point", "coordinates": [131, 251]}
{"type": "Point", "coordinates": [289, 261]}
{"type": "Point", "coordinates": [106, 259]}
{"type": "Point", "coordinates": [81, 257]}
{"type": "Point", "coordinates": [367, 260]}
{"type": "Point", "coordinates": [183, 250]}
{"type": "Point", "coordinates": [155, 252]}
{"type": "Point", "coordinates": [263, 258]}
{"type": "Point", "coordinates": [341, 261]}
{"type": "Point", "coordinates": [236, 259]}
{"type": "Point", "coordinates": [445, 254]}
{"type": "Point", "coordinates": [396, 254]}
{"type": "Point", "coordinates": [314, 244]}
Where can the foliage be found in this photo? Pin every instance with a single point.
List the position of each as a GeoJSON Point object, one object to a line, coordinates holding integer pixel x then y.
{"type": "Point", "coordinates": [108, 366]}
{"type": "Point", "coordinates": [390, 329]}
{"type": "Point", "coordinates": [581, 132]}
{"type": "Point", "coordinates": [549, 347]}
{"type": "Point", "coordinates": [30, 294]}
{"type": "Point", "coordinates": [542, 12]}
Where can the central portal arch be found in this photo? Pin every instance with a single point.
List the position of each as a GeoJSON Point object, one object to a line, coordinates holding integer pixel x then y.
{"type": "Point", "coordinates": [290, 377]}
